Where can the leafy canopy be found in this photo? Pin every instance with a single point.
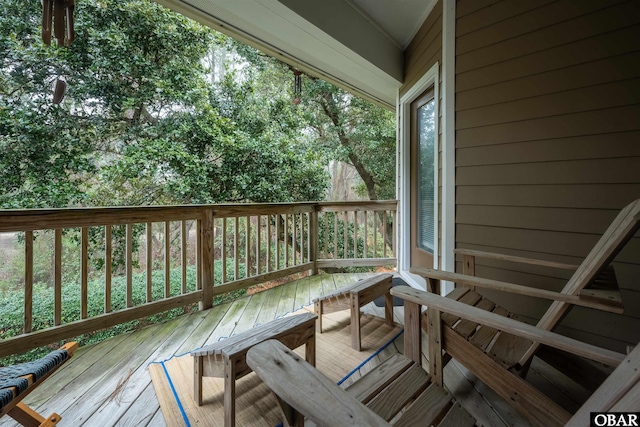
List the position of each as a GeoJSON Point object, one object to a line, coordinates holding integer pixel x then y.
{"type": "Point", "coordinates": [140, 123]}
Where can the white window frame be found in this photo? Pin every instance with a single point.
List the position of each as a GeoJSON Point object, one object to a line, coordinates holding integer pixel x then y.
{"type": "Point", "coordinates": [429, 79]}
{"type": "Point", "coordinates": [447, 139]}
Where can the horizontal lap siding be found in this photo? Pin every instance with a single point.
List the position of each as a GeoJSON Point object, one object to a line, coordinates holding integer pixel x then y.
{"type": "Point", "coordinates": [548, 144]}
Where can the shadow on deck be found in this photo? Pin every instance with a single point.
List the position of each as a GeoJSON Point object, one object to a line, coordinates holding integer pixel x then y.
{"type": "Point", "coordinates": [109, 384]}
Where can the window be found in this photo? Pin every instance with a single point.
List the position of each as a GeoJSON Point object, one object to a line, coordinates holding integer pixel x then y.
{"type": "Point", "coordinates": [426, 127]}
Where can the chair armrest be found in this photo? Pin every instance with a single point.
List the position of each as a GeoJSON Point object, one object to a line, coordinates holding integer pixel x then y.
{"type": "Point", "coordinates": [517, 259]}
{"type": "Point", "coordinates": [306, 390]}
{"type": "Point", "coordinates": [517, 289]}
{"type": "Point", "coordinates": [508, 325]}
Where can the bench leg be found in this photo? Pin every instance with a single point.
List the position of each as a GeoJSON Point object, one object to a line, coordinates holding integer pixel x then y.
{"type": "Point", "coordinates": [317, 309]}
{"type": "Point", "coordinates": [388, 308]}
{"type": "Point", "coordinates": [197, 379]}
{"type": "Point", "coordinates": [310, 351]}
{"type": "Point", "coordinates": [355, 322]}
{"type": "Point", "coordinates": [229, 393]}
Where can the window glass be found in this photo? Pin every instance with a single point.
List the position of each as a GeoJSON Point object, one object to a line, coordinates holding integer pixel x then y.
{"type": "Point", "coordinates": [426, 176]}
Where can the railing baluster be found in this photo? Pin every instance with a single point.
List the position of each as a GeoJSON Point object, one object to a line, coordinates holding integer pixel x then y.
{"type": "Point", "coordinates": [355, 234]}
{"type": "Point", "coordinates": [28, 281]}
{"type": "Point", "coordinates": [326, 234]}
{"type": "Point", "coordinates": [149, 249]}
{"type": "Point", "coordinates": [302, 216]}
{"type": "Point", "coordinates": [384, 234]}
{"type": "Point", "coordinates": [375, 234]}
{"type": "Point", "coordinates": [247, 250]}
{"type": "Point", "coordinates": [108, 256]}
{"type": "Point", "coordinates": [393, 234]}
{"type": "Point", "coordinates": [346, 234]}
{"type": "Point", "coordinates": [335, 235]}
{"type": "Point", "coordinates": [199, 250]}
{"type": "Point", "coordinates": [183, 254]}
{"type": "Point", "coordinates": [224, 250]}
{"type": "Point", "coordinates": [167, 259]}
{"type": "Point", "coordinates": [57, 277]}
{"type": "Point", "coordinates": [294, 239]}
{"type": "Point", "coordinates": [84, 272]}
{"type": "Point", "coordinates": [309, 219]}
{"type": "Point", "coordinates": [366, 234]}
{"type": "Point", "coordinates": [286, 240]}
{"type": "Point", "coordinates": [129, 264]}
{"type": "Point", "coordinates": [269, 243]}
{"type": "Point", "coordinates": [236, 249]}
{"type": "Point", "coordinates": [258, 243]}
{"type": "Point", "coordinates": [313, 240]}
{"type": "Point", "coordinates": [278, 218]}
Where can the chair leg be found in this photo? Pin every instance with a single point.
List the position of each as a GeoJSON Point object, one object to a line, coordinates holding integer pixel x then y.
{"type": "Point", "coordinates": [26, 416]}
{"type": "Point", "coordinates": [388, 308]}
{"type": "Point", "coordinates": [291, 417]}
{"type": "Point", "coordinates": [310, 351]}
{"type": "Point", "coordinates": [198, 363]}
{"type": "Point", "coordinates": [317, 309]}
{"type": "Point", "coordinates": [230, 393]}
{"type": "Point", "coordinates": [356, 342]}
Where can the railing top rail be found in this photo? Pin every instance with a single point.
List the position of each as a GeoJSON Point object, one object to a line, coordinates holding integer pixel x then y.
{"type": "Point", "coordinates": [41, 219]}
{"type": "Point", "coordinates": [12, 220]}
{"type": "Point", "coordinates": [364, 205]}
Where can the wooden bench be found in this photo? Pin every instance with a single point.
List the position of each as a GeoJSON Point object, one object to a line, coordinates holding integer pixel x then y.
{"type": "Point", "coordinates": [353, 297]}
{"type": "Point", "coordinates": [227, 358]}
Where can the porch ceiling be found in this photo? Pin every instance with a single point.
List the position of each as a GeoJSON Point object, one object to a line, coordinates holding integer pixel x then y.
{"type": "Point", "coordinates": [357, 45]}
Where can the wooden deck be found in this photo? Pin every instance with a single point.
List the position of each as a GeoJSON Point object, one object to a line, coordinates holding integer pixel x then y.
{"type": "Point", "coordinates": [108, 384]}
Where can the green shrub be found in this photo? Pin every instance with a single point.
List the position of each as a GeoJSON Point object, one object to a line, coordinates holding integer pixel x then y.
{"type": "Point", "coordinates": [12, 306]}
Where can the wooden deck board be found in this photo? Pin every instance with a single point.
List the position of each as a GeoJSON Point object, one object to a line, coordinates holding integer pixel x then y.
{"type": "Point", "coordinates": [70, 371]}
{"type": "Point", "coordinates": [228, 323]}
{"type": "Point", "coordinates": [127, 379]}
{"type": "Point", "coordinates": [94, 377]}
{"type": "Point", "coordinates": [139, 413]}
{"type": "Point", "coordinates": [315, 287]}
{"type": "Point", "coordinates": [203, 331]}
{"type": "Point", "coordinates": [157, 420]}
{"type": "Point", "coordinates": [251, 312]}
{"type": "Point", "coordinates": [287, 298]}
{"type": "Point", "coordinates": [81, 391]}
{"type": "Point", "coordinates": [269, 309]}
{"type": "Point", "coordinates": [302, 293]}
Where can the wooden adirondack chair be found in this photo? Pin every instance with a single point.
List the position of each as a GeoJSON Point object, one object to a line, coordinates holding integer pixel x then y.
{"type": "Point", "coordinates": [399, 390]}
{"type": "Point", "coordinates": [499, 357]}
{"type": "Point", "coordinates": [620, 392]}
{"type": "Point", "coordinates": [302, 391]}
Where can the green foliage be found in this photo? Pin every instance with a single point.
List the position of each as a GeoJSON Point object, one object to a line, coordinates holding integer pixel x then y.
{"type": "Point", "coordinates": [140, 123]}
{"type": "Point", "coordinates": [356, 132]}
{"type": "Point", "coordinates": [12, 306]}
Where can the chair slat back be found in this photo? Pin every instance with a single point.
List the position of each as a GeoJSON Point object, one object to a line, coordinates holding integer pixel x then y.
{"type": "Point", "coordinates": [612, 241]}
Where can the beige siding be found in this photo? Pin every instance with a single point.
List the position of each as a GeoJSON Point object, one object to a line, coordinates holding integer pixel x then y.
{"type": "Point", "coordinates": [423, 52]}
{"type": "Point", "coordinates": [548, 143]}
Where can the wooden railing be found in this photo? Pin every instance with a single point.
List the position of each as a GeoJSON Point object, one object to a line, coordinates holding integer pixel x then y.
{"type": "Point", "coordinates": [356, 234]}
{"type": "Point", "coordinates": [169, 257]}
